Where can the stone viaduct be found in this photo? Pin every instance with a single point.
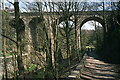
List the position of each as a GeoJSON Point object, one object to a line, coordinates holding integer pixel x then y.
{"type": "Point", "coordinates": [79, 18]}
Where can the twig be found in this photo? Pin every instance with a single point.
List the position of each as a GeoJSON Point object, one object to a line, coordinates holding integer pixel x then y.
{"type": "Point", "coordinates": [10, 2]}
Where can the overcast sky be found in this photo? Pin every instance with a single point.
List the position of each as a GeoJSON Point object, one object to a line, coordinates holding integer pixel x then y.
{"type": "Point", "coordinates": [90, 25]}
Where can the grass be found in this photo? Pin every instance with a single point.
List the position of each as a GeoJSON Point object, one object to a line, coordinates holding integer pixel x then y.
{"type": "Point", "coordinates": [31, 67]}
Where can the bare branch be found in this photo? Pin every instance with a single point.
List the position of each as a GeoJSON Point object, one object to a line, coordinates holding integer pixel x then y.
{"type": "Point", "coordinates": [9, 38]}
{"type": "Point", "coordinates": [10, 2]}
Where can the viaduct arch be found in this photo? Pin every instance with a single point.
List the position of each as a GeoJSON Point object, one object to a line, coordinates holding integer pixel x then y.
{"type": "Point", "coordinates": [98, 19]}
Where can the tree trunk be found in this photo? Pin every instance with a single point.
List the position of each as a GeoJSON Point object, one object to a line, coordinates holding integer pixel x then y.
{"type": "Point", "coordinates": [4, 46]}
{"type": "Point", "coordinates": [77, 38]}
{"type": "Point", "coordinates": [18, 34]}
{"type": "Point", "coordinates": [48, 68]}
{"type": "Point", "coordinates": [67, 41]}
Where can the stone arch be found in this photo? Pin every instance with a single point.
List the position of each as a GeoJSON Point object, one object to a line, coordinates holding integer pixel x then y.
{"type": "Point", "coordinates": [98, 19]}
{"type": "Point", "coordinates": [33, 25]}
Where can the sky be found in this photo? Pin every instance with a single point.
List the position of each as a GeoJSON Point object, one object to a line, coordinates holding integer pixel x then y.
{"type": "Point", "coordinates": [90, 25]}
{"type": "Point", "coordinates": [6, 3]}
